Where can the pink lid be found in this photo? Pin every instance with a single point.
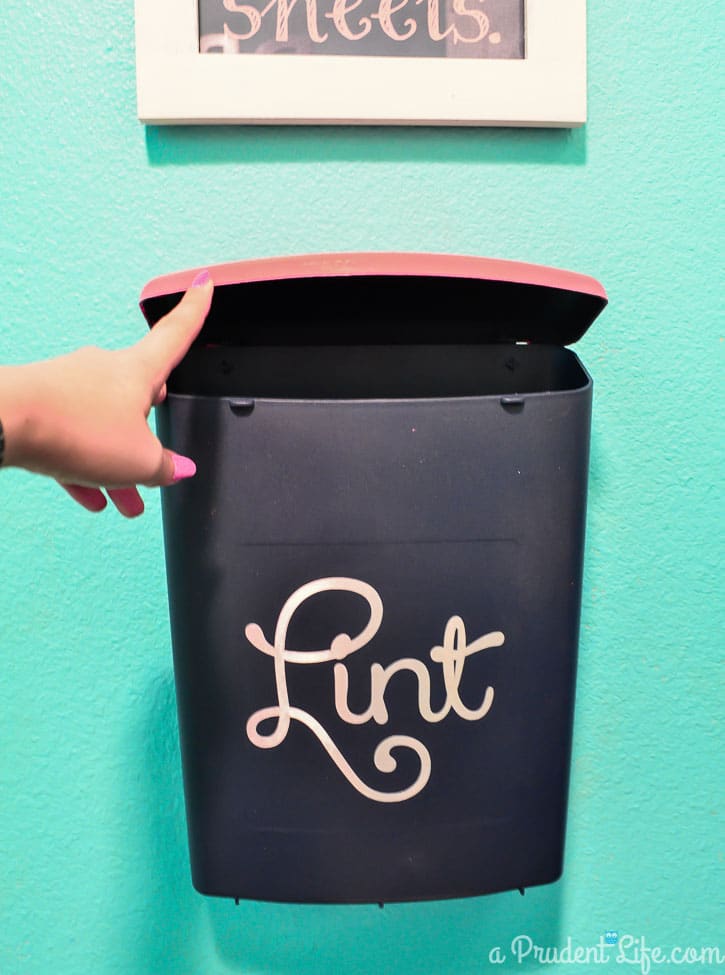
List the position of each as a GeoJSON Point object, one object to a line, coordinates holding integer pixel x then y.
{"type": "Point", "coordinates": [510, 301]}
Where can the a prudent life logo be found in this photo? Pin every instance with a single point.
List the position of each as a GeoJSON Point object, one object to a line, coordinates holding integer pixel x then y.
{"type": "Point", "coordinates": [451, 655]}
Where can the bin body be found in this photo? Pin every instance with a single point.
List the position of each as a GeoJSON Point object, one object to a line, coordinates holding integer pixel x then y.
{"type": "Point", "coordinates": [374, 586]}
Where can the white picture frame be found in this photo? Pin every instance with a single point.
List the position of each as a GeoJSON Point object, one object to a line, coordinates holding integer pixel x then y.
{"type": "Point", "coordinates": [176, 84]}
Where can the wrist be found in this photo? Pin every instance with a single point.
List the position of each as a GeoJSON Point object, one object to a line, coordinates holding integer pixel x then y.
{"type": "Point", "coordinates": [18, 416]}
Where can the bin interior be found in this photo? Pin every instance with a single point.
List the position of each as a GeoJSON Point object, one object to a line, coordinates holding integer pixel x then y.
{"type": "Point", "coordinates": [376, 372]}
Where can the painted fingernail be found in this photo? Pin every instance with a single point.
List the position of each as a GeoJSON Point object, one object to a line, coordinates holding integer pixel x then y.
{"type": "Point", "coordinates": [183, 467]}
{"type": "Point", "coordinates": [201, 279]}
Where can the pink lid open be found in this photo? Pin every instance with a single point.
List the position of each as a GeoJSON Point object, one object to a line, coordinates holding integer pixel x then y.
{"type": "Point", "coordinates": [386, 297]}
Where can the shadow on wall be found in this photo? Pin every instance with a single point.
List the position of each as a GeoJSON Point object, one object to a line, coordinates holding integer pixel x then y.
{"type": "Point", "coordinates": [452, 937]}
{"type": "Point", "coordinates": [163, 932]}
{"type": "Point", "coordinates": [182, 145]}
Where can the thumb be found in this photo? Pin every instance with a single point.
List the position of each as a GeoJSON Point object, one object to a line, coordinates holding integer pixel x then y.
{"type": "Point", "coordinates": [169, 340]}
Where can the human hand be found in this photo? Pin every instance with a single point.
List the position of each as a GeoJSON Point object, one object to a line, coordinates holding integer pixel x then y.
{"type": "Point", "coordinates": [82, 418]}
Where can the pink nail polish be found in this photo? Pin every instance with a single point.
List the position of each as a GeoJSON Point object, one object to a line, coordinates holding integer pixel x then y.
{"type": "Point", "coordinates": [201, 279]}
{"type": "Point", "coordinates": [183, 467]}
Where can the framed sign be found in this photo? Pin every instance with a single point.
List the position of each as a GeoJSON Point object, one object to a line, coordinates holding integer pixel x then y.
{"type": "Point", "coordinates": [426, 62]}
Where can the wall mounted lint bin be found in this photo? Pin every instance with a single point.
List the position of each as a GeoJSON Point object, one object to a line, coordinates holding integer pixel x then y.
{"type": "Point", "coordinates": [375, 575]}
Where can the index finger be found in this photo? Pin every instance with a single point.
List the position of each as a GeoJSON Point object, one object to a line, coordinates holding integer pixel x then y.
{"type": "Point", "coordinates": [168, 341]}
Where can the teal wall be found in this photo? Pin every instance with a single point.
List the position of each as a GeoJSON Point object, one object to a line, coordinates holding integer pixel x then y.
{"type": "Point", "coordinates": [95, 876]}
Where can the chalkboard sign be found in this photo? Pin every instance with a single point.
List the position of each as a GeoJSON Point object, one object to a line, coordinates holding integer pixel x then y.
{"type": "Point", "coordinates": [378, 28]}
{"type": "Point", "coordinates": [446, 62]}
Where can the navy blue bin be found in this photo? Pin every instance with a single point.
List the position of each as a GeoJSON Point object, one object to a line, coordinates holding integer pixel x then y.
{"type": "Point", "coordinates": [375, 576]}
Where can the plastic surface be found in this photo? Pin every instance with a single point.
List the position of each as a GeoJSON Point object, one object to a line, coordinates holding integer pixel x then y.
{"type": "Point", "coordinates": [370, 298]}
{"type": "Point", "coordinates": [374, 586]}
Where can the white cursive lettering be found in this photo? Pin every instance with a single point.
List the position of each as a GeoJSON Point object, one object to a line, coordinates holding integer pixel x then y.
{"type": "Point", "coordinates": [451, 655]}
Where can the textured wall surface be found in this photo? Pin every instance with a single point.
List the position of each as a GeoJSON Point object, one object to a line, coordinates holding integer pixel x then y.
{"type": "Point", "coordinates": [95, 875]}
